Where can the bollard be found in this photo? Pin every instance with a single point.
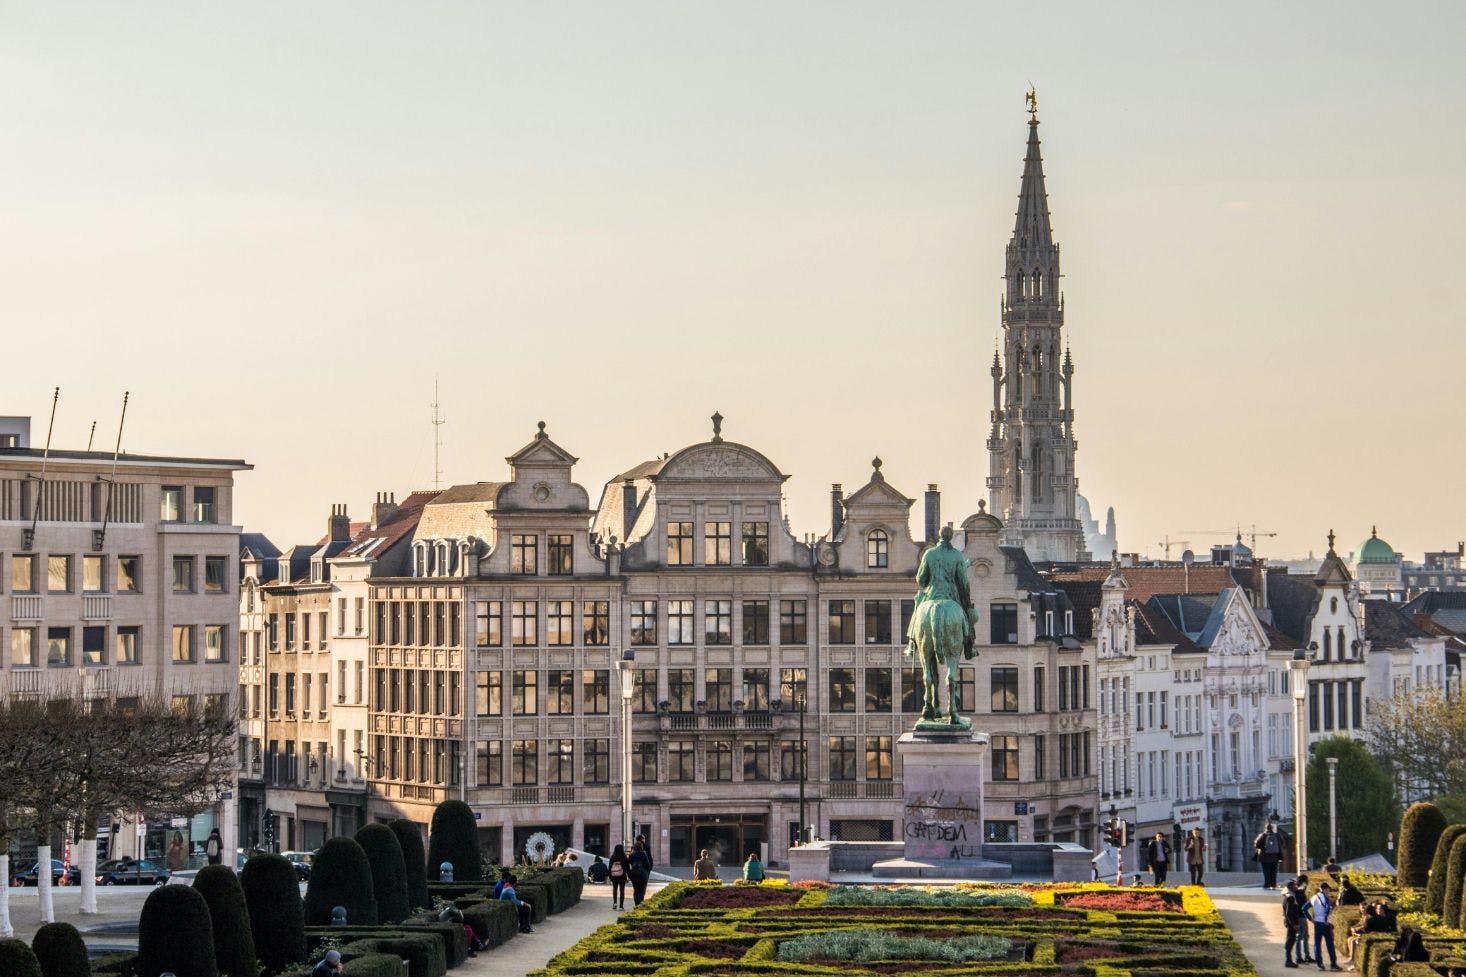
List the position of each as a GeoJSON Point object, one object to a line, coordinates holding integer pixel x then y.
{"type": "Point", "coordinates": [445, 872]}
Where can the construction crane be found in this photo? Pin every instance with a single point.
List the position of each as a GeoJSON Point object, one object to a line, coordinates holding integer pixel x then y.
{"type": "Point", "coordinates": [1253, 534]}
{"type": "Point", "coordinates": [1168, 542]}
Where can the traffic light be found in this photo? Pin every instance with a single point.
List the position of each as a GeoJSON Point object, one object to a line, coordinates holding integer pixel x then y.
{"type": "Point", "coordinates": [1122, 833]}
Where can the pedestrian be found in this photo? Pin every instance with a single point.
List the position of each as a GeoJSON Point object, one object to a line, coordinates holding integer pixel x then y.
{"type": "Point", "coordinates": [1158, 857]}
{"type": "Point", "coordinates": [176, 856]}
{"type": "Point", "coordinates": [1268, 848]}
{"type": "Point", "coordinates": [705, 869]}
{"type": "Point", "coordinates": [328, 965]}
{"type": "Point", "coordinates": [1321, 908]}
{"type": "Point", "coordinates": [1373, 920]}
{"type": "Point", "coordinates": [1292, 919]}
{"type": "Point", "coordinates": [1195, 855]}
{"type": "Point", "coordinates": [504, 875]}
{"type": "Point", "coordinates": [597, 872]}
{"type": "Point", "coordinates": [1300, 895]}
{"type": "Point", "coordinates": [1349, 894]}
{"type": "Point", "coordinates": [618, 872]}
{"type": "Point", "coordinates": [753, 869]}
{"type": "Point", "coordinates": [214, 847]}
{"type": "Point", "coordinates": [640, 871]}
{"type": "Point", "coordinates": [507, 894]}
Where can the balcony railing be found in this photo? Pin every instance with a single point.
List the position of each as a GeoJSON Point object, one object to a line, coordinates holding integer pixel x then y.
{"type": "Point", "coordinates": [96, 607]}
{"type": "Point", "coordinates": [716, 721]}
{"type": "Point", "coordinates": [26, 608]}
{"type": "Point", "coordinates": [852, 789]}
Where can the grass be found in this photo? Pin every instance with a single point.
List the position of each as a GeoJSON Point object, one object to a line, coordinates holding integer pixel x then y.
{"type": "Point", "coordinates": [866, 945]}
{"type": "Point", "coordinates": [859, 895]}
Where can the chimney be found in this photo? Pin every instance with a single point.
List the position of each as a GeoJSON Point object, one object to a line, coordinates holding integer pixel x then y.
{"type": "Point", "coordinates": [384, 508]}
{"type": "Point", "coordinates": [933, 513]}
{"type": "Point", "coordinates": [837, 510]}
{"type": "Point", "coordinates": [628, 507]}
{"type": "Point", "coordinates": [338, 528]}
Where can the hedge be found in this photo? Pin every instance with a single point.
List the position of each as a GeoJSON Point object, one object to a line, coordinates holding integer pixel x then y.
{"type": "Point", "coordinates": [120, 964]}
{"type": "Point", "coordinates": [234, 945]}
{"type": "Point", "coordinates": [371, 964]}
{"type": "Point", "coordinates": [60, 950]}
{"type": "Point", "coordinates": [389, 872]}
{"type": "Point", "coordinates": [423, 953]}
{"type": "Point", "coordinates": [451, 935]}
{"type": "Point", "coordinates": [1420, 829]}
{"type": "Point", "coordinates": [1440, 867]}
{"type": "Point", "coordinates": [340, 876]}
{"type": "Point", "coordinates": [1455, 879]}
{"type": "Point", "coordinates": [175, 934]}
{"type": "Point", "coordinates": [496, 922]}
{"type": "Point", "coordinates": [18, 960]}
{"type": "Point", "coordinates": [415, 860]}
{"type": "Point", "coordinates": [276, 916]}
{"type": "Point", "coordinates": [454, 838]}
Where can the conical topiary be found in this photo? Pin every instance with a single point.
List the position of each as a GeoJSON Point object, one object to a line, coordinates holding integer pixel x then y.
{"type": "Point", "coordinates": [454, 838]}
{"type": "Point", "coordinates": [17, 960]}
{"type": "Point", "coordinates": [61, 952]}
{"type": "Point", "coordinates": [409, 836]}
{"type": "Point", "coordinates": [389, 873]}
{"type": "Point", "coordinates": [234, 945]}
{"type": "Point", "coordinates": [1440, 867]}
{"type": "Point", "coordinates": [1455, 877]}
{"type": "Point", "coordinates": [1420, 829]}
{"type": "Point", "coordinates": [175, 934]}
{"type": "Point", "coordinates": [340, 876]}
{"type": "Point", "coordinates": [276, 918]}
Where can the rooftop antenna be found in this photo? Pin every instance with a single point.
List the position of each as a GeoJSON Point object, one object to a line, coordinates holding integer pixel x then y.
{"type": "Point", "coordinates": [28, 536]}
{"type": "Point", "coordinates": [438, 421]}
{"type": "Point", "coordinates": [100, 536]}
{"type": "Point", "coordinates": [91, 436]}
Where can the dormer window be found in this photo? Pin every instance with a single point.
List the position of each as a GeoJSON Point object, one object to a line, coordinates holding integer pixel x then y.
{"type": "Point", "coordinates": [1068, 622]}
{"type": "Point", "coordinates": [1333, 605]}
{"type": "Point", "coordinates": [318, 570]}
{"type": "Point", "coordinates": [878, 549]}
{"type": "Point", "coordinates": [1048, 624]}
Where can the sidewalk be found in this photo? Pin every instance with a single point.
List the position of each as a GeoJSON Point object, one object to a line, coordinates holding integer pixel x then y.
{"type": "Point", "coordinates": [530, 951]}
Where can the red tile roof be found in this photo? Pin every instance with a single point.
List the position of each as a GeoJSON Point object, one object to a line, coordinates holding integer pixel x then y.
{"type": "Point", "coordinates": [1146, 582]}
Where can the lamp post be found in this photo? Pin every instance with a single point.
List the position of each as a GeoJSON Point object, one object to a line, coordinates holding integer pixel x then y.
{"type": "Point", "coordinates": [1298, 670]}
{"type": "Point", "coordinates": [1333, 763]}
{"type": "Point", "coordinates": [803, 761]}
{"type": "Point", "coordinates": [626, 668]}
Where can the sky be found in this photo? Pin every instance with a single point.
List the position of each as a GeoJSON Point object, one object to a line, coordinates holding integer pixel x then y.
{"type": "Point", "coordinates": [276, 224]}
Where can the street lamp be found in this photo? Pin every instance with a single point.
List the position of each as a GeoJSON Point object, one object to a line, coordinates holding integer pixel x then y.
{"type": "Point", "coordinates": [1298, 669]}
{"type": "Point", "coordinates": [1333, 763]}
{"type": "Point", "coordinates": [626, 668]}
{"type": "Point", "coordinates": [803, 692]}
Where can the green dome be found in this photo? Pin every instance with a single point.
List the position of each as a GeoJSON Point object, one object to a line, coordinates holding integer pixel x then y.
{"type": "Point", "coordinates": [1376, 550]}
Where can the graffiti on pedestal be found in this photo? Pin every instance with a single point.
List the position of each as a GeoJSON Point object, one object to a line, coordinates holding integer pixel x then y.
{"type": "Point", "coordinates": [943, 824]}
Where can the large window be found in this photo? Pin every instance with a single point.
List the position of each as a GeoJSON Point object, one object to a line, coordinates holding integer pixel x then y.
{"type": "Point", "coordinates": [1004, 624]}
{"type": "Point", "coordinates": [1038, 688]}
{"type": "Point", "coordinates": [1005, 757]}
{"type": "Point", "coordinates": [183, 575]}
{"type": "Point", "coordinates": [681, 761]}
{"type": "Point", "coordinates": [204, 509]}
{"type": "Point", "coordinates": [1005, 689]}
{"type": "Point", "coordinates": [488, 693]}
{"type": "Point", "coordinates": [878, 764]}
{"type": "Point", "coordinates": [877, 690]}
{"type": "Point", "coordinates": [755, 544]}
{"type": "Point", "coordinates": [560, 548]}
{"type": "Point", "coordinates": [560, 692]}
{"type": "Point", "coordinates": [171, 504]}
{"type": "Point", "coordinates": [128, 578]}
{"type": "Point", "coordinates": [23, 574]}
{"type": "Point", "coordinates": [877, 622]}
{"type": "Point", "coordinates": [595, 623]}
{"type": "Point", "coordinates": [526, 762]}
{"type": "Point", "coordinates": [718, 689]}
{"type": "Point", "coordinates": [124, 651]}
{"type": "Point", "coordinates": [644, 763]}
{"type": "Point", "coordinates": [560, 622]}
{"type": "Point", "coordinates": [755, 622]}
{"type": "Point", "coordinates": [595, 691]}
{"type": "Point", "coordinates": [793, 623]}
{"type": "Point", "coordinates": [524, 554]}
{"type": "Point", "coordinates": [679, 623]}
{"type": "Point", "coordinates": [842, 622]}
{"type": "Point", "coordinates": [525, 692]}
{"type": "Point", "coordinates": [643, 622]}
{"type": "Point", "coordinates": [679, 544]}
{"type": "Point", "coordinates": [717, 544]}
{"type": "Point", "coordinates": [842, 758]}
{"type": "Point", "coordinates": [488, 619]}
{"type": "Point", "coordinates": [560, 754]}
{"type": "Point", "coordinates": [595, 761]}
{"type": "Point", "coordinates": [681, 692]}
{"type": "Point", "coordinates": [94, 646]}
{"type": "Point", "coordinates": [491, 763]}
{"type": "Point", "coordinates": [717, 617]}
{"type": "Point", "coordinates": [525, 622]}
{"type": "Point", "coordinates": [912, 689]}
{"type": "Point", "coordinates": [793, 760]}
{"type": "Point", "coordinates": [755, 761]}
{"type": "Point", "coordinates": [644, 693]}
{"type": "Point", "coordinates": [216, 646]}
{"type": "Point", "coordinates": [842, 689]}
{"type": "Point", "coordinates": [58, 574]}
{"type": "Point", "coordinates": [793, 688]}
{"type": "Point", "coordinates": [719, 760]}
{"type": "Point", "coordinates": [93, 574]}
{"type": "Point", "coordinates": [878, 549]}
{"type": "Point", "coordinates": [183, 643]}
{"type": "Point", "coordinates": [756, 689]}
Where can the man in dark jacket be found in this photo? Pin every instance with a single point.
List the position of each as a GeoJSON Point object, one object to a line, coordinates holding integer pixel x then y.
{"type": "Point", "coordinates": [1292, 916]}
{"type": "Point", "coordinates": [1268, 848]}
{"type": "Point", "coordinates": [1157, 857]}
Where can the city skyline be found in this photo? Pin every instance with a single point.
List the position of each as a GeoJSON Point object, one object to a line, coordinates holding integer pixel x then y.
{"type": "Point", "coordinates": [333, 211]}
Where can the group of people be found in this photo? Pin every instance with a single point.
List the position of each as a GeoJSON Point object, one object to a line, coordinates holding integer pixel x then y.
{"type": "Point", "coordinates": [634, 867]}
{"type": "Point", "coordinates": [1155, 856]}
{"type": "Point", "coordinates": [1300, 913]}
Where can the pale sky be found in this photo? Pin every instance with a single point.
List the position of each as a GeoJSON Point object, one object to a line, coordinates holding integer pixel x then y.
{"type": "Point", "coordinates": [274, 223]}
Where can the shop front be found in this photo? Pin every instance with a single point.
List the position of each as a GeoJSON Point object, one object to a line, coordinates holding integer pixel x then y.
{"type": "Point", "coordinates": [728, 838]}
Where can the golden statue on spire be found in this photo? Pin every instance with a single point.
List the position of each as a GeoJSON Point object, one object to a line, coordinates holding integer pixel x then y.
{"type": "Point", "coordinates": [1032, 98]}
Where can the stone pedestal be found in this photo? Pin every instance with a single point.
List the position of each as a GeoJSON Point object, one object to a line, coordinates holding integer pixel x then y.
{"type": "Point", "coordinates": [942, 775]}
{"type": "Point", "coordinates": [810, 863]}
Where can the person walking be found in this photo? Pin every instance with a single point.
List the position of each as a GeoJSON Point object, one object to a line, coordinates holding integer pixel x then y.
{"type": "Point", "coordinates": [1321, 909]}
{"type": "Point", "coordinates": [176, 857]}
{"type": "Point", "coordinates": [1268, 848]}
{"type": "Point", "coordinates": [641, 871]}
{"type": "Point", "coordinates": [1195, 855]}
{"type": "Point", "coordinates": [214, 847]}
{"type": "Point", "coordinates": [1158, 857]}
{"type": "Point", "coordinates": [619, 871]}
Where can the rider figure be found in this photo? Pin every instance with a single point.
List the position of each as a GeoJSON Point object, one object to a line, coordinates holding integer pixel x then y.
{"type": "Point", "coordinates": [942, 577]}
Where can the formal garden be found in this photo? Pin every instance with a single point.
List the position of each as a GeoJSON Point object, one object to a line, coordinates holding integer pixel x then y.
{"type": "Point", "coordinates": [369, 898]}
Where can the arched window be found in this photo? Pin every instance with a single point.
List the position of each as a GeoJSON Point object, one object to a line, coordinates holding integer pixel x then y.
{"type": "Point", "coordinates": [1038, 285]}
{"type": "Point", "coordinates": [1333, 605]}
{"type": "Point", "coordinates": [878, 549]}
{"type": "Point", "coordinates": [1342, 643]}
{"type": "Point", "coordinates": [1328, 643]}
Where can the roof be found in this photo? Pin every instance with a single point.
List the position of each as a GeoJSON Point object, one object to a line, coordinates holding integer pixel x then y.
{"type": "Point", "coordinates": [472, 492]}
{"type": "Point", "coordinates": [1146, 582]}
{"type": "Point", "coordinates": [1028, 578]}
{"type": "Point", "coordinates": [646, 469]}
{"type": "Point", "coordinates": [1386, 625]}
{"type": "Point", "coordinates": [1032, 227]}
{"type": "Point", "coordinates": [1293, 599]}
{"type": "Point", "coordinates": [125, 459]}
{"type": "Point", "coordinates": [1084, 596]}
{"type": "Point", "coordinates": [1444, 607]}
{"type": "Point", "coordinates": [1152, 627]}
{"type": "Point", "coordinates": [375, 542]}
{"type": "Point", "coordinates": [1376, 550]}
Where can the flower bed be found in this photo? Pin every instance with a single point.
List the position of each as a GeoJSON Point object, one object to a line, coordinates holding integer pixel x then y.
{"type": "Point", "coordinates": [1122, 901]}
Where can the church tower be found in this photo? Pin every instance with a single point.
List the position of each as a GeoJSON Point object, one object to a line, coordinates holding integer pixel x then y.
{"type": "Point", "coordinates": [1031, 448]}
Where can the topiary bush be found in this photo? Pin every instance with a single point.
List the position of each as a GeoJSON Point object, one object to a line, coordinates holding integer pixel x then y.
{"type": "Point", "coordinates": [340, 876]}
{"type": "Point", "coordinates": [454, 838]}
{"type": "Point", "coordinates": [17, 960]}
{"type": "Point", "coordinates": [389, 872]}
{"type": "Point", "coordinates": [1420, 830]}
{"type": "Point", "coordinates": [1435, 890]}
{"type": "Point", "coordinates": [234, 945]}
{"type": "Point", "coordinates": [175, 934]}
{"type": "Point", "coordinates": [60, 950]}
{"type": "Point", "coordinates": [1455, 877]}
{"type": "Point", "coordinates": [409, 836]}
{"type": "Point", "coordinates": [276, 917]}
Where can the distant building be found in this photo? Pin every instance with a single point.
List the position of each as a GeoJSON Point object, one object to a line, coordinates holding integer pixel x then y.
{"type": "Point", "coordinates": [1101, 544]}
{"type": "Point", "coordinates": [1378, 568]}
{"type": "Point", "coordinates": [1442, 570]}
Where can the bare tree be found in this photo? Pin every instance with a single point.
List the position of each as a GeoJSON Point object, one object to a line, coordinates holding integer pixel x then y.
{"type": "Point", "coordinates": [1421, 739]}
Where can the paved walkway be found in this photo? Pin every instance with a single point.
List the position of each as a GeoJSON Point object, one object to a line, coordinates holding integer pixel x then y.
{"type": "Point", "coordinates": [530, 951]}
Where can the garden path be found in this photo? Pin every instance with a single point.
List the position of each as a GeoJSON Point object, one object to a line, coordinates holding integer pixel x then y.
{"type": "Point", "coordinates": [1256, 921]}
{"type": "Point", "coordinates": [530, 951]}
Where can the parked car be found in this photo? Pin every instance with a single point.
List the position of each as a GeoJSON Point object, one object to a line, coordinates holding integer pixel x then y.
{"type": "Point", "coordinates": [127, 871]}
{"type": "Point", "coordinates": [31, 875]}
{"type": "Point", "coordinates": [302, 862]}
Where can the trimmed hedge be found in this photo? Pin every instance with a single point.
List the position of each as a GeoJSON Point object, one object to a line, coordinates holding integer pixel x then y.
{"type": "Point", "coordinates": [389, 872]}
{"type": "Point", "coordinates": [340, 876]}
{"type": "Point", "coordinates": [561, 886]}
{"type": "Point", "coordinates": [1440, 867]}
{"type": "Point", "coordinates": [415, 859]}
{"type": "Point", "coordinates": [371, 964]}
{"type": "Point", "coordinates": [175, 933]}
{"type": "Point", "coordinates": [454, 838]}
{"type": "Point", "coordinates": [1420, 829]}
{"type": "Point", "coordinates": [234, 945]}
{"type": "Point", "coordinates": [423, 953]}
{"type": "Point", "coordinates": [276, 917]}
{"type": "Point", "coordinates": [1455, 878]}
{"type": "Point", "coordinates": [120, 964]}
{"type": "Point", "coordinates": [18, 960]}
{"type": "Point", "coordinates": [451, 935]}
{"type": "Point", "coordinates": [495, 922]}
{"type": "Point", "coordinates": [60, 951]}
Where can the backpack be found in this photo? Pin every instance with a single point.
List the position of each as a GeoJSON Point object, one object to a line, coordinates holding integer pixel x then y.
{"type": "Point", "coordinates": [617, 871]}
{"type": "Point", "coordinates": [1270, 844]}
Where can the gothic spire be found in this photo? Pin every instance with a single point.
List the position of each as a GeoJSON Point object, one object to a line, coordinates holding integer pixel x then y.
{"type": "Point", "coordinates": [1032, 228]}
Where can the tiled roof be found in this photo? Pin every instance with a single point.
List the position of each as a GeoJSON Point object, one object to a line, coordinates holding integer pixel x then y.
{"type": "Point", "coordinates": [1153, 628]}
{"type": "Point", "coordinates": [376, 542]}
{"type": "Point", "coordinates": [1293, 599]}
{"type": "Point", "coordinates": [1029, 579]}
{"type": "Point", "coordinates": [1387, 626]}
{"type": "Point", "coordinates": [1084, 595]}
{"type": "Point", "coordinates": [1146, 582]}
{"type": "Point", "coordinates": [473, 492]}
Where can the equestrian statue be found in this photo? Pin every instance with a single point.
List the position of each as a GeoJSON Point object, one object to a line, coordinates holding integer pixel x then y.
{"type": "Point", "coordinates": [941, 632]}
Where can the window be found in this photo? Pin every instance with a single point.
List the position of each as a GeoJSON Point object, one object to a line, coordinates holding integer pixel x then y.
{"type": "Point", "coordinates": [560, 622]}
{"type": "Point", "coordinates": [93, 574]}
{"type": "Point", "coordinates": [877, 690]}
{"type": "Point", "coordinates": [755, 761]}
{"type": "Point", "coordinates": [756, 689]}
{"type": "Point", "coordinates": [524, 554]}
{"type": "Point", "coordinates": [842, 689]}
{"type": "Point", "coordinates": [643, 622]}
{"type": "Point", "coordinates": [1038, 689]}
{"type": "Point", "coordinates": [595, 761]}
{"type": "Point", "coordinates": [491, 763]}
{"type": "Point", "coordinates": [878, 765]}
{"type": "Point", "coordinates": [290, 695]}
{"type": "Point", "coordinates": [290, 624]}
{"type": "Point", "coordinates": [644, 763]}
{"type": "Point", "coordinates": [203, 504]}
{"type": "Point", "coordinates": [842, 757]}
{"type": "Point", "coordinates": [1040, 765]}
{"type": "Point", "coordinates": [171, 509]}
{"type": "Point", "coordinates": [526, 692]}
{"type": "Point", "coordinates": [718, 689]}
{"type": "Point", "coordinates": [717, 616]}
{"type": "Point", "coordinates": [128, 576]}
{"type": "Point", "coordinates": [644, 691]}
{"type": "Point", "coordinates": [681, 761]}
{"type": "Point", "coordinates": [560, 548]}
{"type": "Point", "coordinates": [58, 647]}
{"type": "Point", "coordinates": [595, 623]}
{"type": "Point", "coordinates": [560, 692]}
{"type": "Point", "coordinates": [183, 643]}
{"type": "Point", "coordinates": [912, 689]}
{"type": "Point", "coordinates": [679, 622]}
{"type": "Point", "coordinates": [215, 651]}
{"type": "Point", "coordinates": [717, 544]}
{"type": "Point", "coordinates": [878, 549]}
{"type": "Point", "coordinates": [793, 628]}
{"type": "Point", "coordinates": [755, 544]}
{"type": "Point", "coordinates": [680, 690]}
{"type": "Point", "coordinates": [94, 646]}
{"type": "Point", "coordinates": [183, 577]}
{"type": "Point", "coordinates": [488, 693]}
{"type": "Point", "coordinates": [595, 691]}
{"type": "Point", "coordinates": [525, 623]}
{"type": "Point", "coordinates": [488, 616]}
{"type": "Point", "coordinates": [679, 544]}
{"type": "Point", "coordinates": [305, 630]}
{"type": "Point", "coordinates": [842, 622]}
{"type": "Point", "coordinates": [275, 693]}
{"type": "Point", "coordinates": [23, 574]}
{"type": "Point", "coordinates": [720, 761]}
{"type": "Point", "coordinates": [1004, 624]}
{"type": "Point", "coordinates": [877, 622]}
{"type": "Point", "coordinates": [793, 687]}
{"type": "Point", "coordinates": [967, 689]}
{"type": "Point", "coordinates": [561, 757]}
{"type": "Point", "coordinates": [526, 763]}
{"type": "Point", "coordinates": [124, 651]}
{"type": "Point", "coordinates": [1005, 689]}
{"type": "Point", "coordinates": [755, 622]}
{"type": "Point", "coordinates": [1005, 757]}
{"type": "Point", "coordinates": [58, 574]}
{"type": "Point", "coordinates": [793, 760]}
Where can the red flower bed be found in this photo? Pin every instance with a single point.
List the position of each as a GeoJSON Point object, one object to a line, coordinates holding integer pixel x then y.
{"type": "Point", "coordinates": [714, 949]}
{"type": "Point", "coordinates": [1133, 902]}
{"type": "Point", "coordinates": [737, 897]}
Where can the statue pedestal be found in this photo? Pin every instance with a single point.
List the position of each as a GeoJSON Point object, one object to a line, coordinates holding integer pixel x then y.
{"type": "Point", "coordinates": [942, 775]}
